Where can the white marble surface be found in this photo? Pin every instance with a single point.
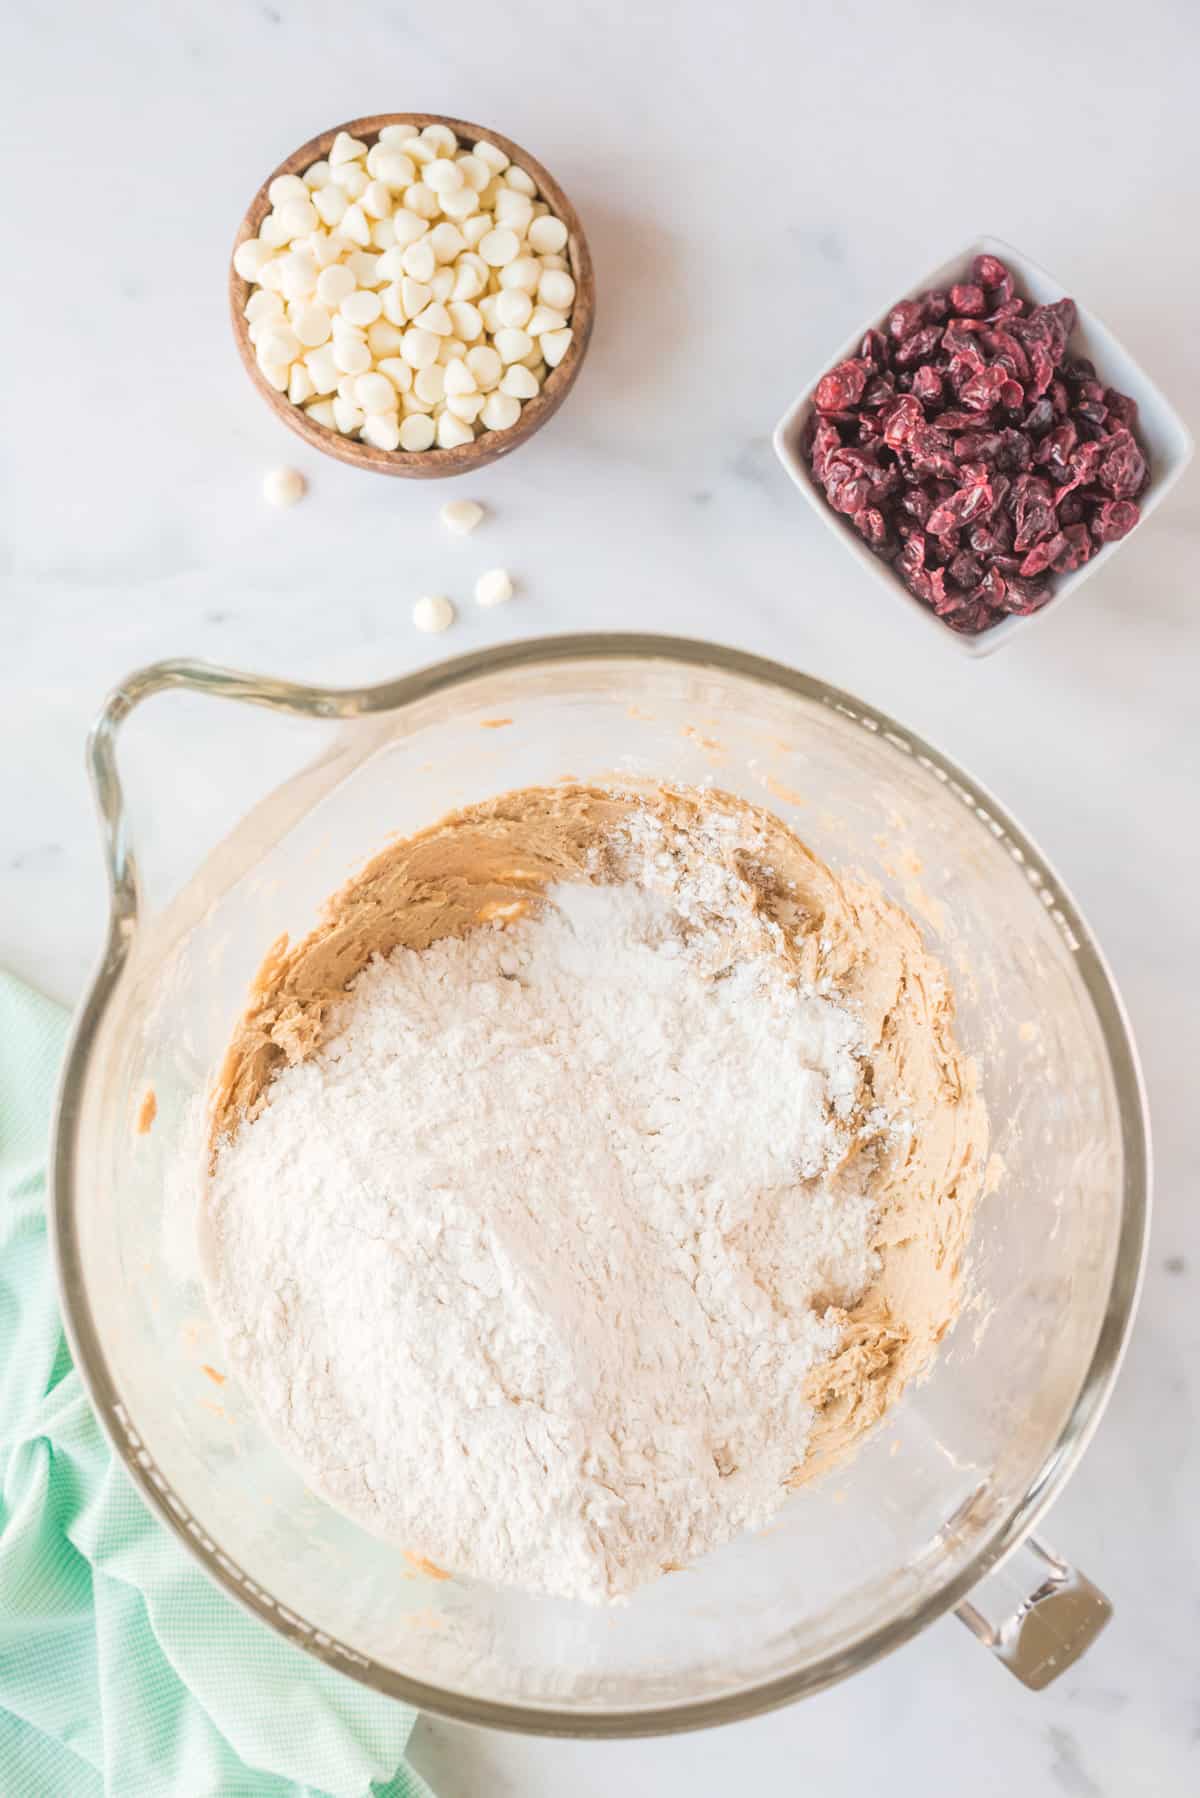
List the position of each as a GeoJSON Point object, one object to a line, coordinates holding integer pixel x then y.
{"type": "Point", "coordinates": [749, 180]}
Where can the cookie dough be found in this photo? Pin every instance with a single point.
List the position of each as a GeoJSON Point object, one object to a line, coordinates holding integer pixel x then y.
{"type": "Point", "coordinates": [493, 861]}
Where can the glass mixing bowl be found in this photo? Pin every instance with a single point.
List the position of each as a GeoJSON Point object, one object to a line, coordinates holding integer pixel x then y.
{"type": "Point", "coordinates": [943, 1493]}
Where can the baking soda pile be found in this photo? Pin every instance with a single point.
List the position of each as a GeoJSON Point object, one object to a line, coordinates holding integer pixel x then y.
{"type": "Point", "coordinates": [527, 1265]}
{"type": "Point", "coordinates": [412, 293]}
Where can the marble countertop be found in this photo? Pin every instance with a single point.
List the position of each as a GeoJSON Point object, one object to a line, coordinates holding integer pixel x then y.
{"type": "Point", "coordinates": [753, 179]}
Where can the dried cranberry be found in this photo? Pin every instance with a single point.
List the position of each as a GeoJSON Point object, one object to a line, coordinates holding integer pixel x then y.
{"type": "Point", "coordinates": [1039, 418]}
{"type": "Point", "coordinates": [1078, 547]}
{"type": "Point", "coordinates": [878, 390]}
{"type": "Point", "coordinates": [968, 300]}
{"type": "Point", "coordinates": [904, 319]}
{"type": "Point", "coordinates": [903, 416]}
{"type": "Point", "coordinates": [930, 452]}
{"type": "Point", "coordinates": [918, 502]}
{"type": "Point", "coordinates": [918, 347]}
{"type": "Point", "coordinates": [1123, 467]}
{"type": "Point", "coordinates": [1056, 445]}
{"type": "Point", "coordinates": [1043, 553]}
{"type": "Point", "coordinates": [842, 386]}
{"type": "Point", "coordinates": [927, 384]}
{"type": "Point", "coordinates": [937, 306]}
{"type": "Point", "coordinates": [874, 349]}
{"type": "Point", "coordinates": [1121, 407]}
{"type": "Point", "coordinates": [989, 271]}
{"type": "Point", "coordinates": [1114, 519]}
{"type": "Point", "coordinates": [966, 570]}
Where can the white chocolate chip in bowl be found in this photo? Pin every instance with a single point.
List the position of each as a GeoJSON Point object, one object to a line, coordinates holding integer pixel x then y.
{"type": "Point", "coordinates": [428, 245]}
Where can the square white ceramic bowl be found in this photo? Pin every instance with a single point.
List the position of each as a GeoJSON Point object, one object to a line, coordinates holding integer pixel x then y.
{"type": "Point", "coordinates": [1162, 433]}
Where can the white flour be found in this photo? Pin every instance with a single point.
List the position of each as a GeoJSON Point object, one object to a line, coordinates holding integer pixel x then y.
{"type": "Point", "coordinates": [526, 1266]}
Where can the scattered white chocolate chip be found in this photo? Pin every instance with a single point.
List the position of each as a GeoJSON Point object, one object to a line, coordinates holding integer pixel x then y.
{"type": "Point", "coordinates": [433, 612]}
{"type": "Point", "coordinates": [283, 486]}
{"type": "Point", "coordinates": [461, 516]}
{"type": "Point", "coordinates": [411, 292]}
{"type": "Point", "coordinates": [494, 587]}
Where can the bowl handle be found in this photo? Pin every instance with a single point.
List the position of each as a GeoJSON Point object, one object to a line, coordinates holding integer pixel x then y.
{"type": "Point", "coordinates": [1054, 1615]}
{"type": "Point", "coordinates": [288, 697]}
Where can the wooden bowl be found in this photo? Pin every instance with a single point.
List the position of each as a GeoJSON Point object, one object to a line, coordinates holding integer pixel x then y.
{"type": "Point", "coordinates": [489, 446]}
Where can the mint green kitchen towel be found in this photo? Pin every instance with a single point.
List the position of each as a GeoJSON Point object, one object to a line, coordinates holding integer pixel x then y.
{"type": "Point", "coordinates": [123, 1671]}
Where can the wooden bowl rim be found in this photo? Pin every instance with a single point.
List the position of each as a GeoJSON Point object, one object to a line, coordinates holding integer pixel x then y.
{"type": "Point", "coordinates": [465, 458]}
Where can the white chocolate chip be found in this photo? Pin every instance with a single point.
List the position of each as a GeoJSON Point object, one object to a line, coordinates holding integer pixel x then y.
{"type": "Point", "coordinates": [414, 296]}
{"type": "Point", "coordinates": [347, 416]}
{"type": "Point", "coordinates": [262, 304]}
{"type": "Point", "coordinates": [521, 179]}
{"type": "Point", "coordinates": [397, 371]}
{"type": "Point", "coordinates": [375, 393]}
{"type": "Point", "coordinates": [556, 289]}
{"type": "Point", "coordinates": [547, 235]}
{"type": "Point", "coordinates": [444, 176]}
{"type": "Point", "coordinates": [311, 325]}
{"type": "Point", "coordinates": [447, 241]}
{"type": "Point", "coordinates": [544, 318]}
{"type": "Point", "coordinates": [396, 170]}
{"type": "Point", "coordinates": [520, 382]}
{"type": "Point", "coordinates": [322, 412]}
{"type": "Point", "coordinates": [283, 486]}
{"type": "Point", "coordinates": [466, 319]}
{"type": "Point", "coordinates": [384, 339]}
{"type": "Point", "coordinates": [430, 384]}
{"type": "Point", "coordinates": [511, 345]}
{"type": "Point", "coordinates": [494, 587]}
{"type": "Point", "coordinates": [364, 266]}
{"type": "Point", "coordinates": [441, 139]}
{"type": "Point", "coordinates": [500, 411]}
{"type": "Point", "coordinates": [491, 156]}
{"type": "Point", "coordinates": [432, 612]}
{"type": "Point", "coordinates": [297, 217]}
{"type": "Point", "coordinates": [468, 282]}
{"type": "Point", "coordinates": [524, 273]}
{"type": "Point", "coordinates": [300, 384]}
{"type": "Point", "coordinates": [323, 369]}
{"type": "Point", "coordinates": [319, 175]}
{"type": "Point", "coordinates": [453, 432]}
{"type": "Point", "coordinates": [514, 210]}
{"type": "Point", "coordinates": [499, 247]}
{"type": "Point", "coordinates": [459, 379]}
{"type": "Point", "coordinates": [345, 149]}
{"type": "Point", "coordinates": [251, 257]}
{"type": "Point", "coordinates": [354, 225]}
{"type": "Point", "coordinates": [353, 178]}
{"type": "Point", "coordinates": [376, 200]}
{"type": "Point", "coordinates": [351, 355]}
{"type": "Point", "coordinates": [381, 430]}
{"type": "Point", "coordinates": [461, 205]}
{"type": "Point", "coordinates": [485, 365]}
{"type": "Point", "coordinates": [513, 307]}
{"type": "Point", "coordinates": [435, 318]}
{"type": "Point", "coordinates": [409, 229]}
{"type": "Point", "coordinates": [466, 406]}
{"type": "Point", "coordinates": [286, 187]}
{"type": "Point", "coordinates": [420, 348]}
{"type": "Point", "coordinates": [332, 204]}
{"type": "Point", "coordinates": [421, 199]}
{"type": "Point", "coordinates": [474, 171]}
{"type": "Point", "coordinates": [334, 284]}
{"type": "Point", "coordinates": [361, 307]}
{"type": "Point", "coordinates": [419, 260]}
{"type": "Point", "coordinates": [278, 343]}
{"type": "Point", "coordinates": [554, 345]}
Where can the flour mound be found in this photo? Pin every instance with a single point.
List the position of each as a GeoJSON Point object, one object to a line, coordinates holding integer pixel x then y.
{"type": "Point", "coordinates": [525, 1267]}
